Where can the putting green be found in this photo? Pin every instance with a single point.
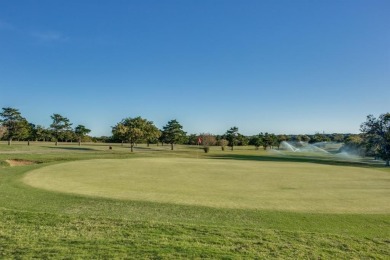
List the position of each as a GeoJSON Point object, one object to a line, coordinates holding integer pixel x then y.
{"type": "Point", "coordinates": [288, 186]}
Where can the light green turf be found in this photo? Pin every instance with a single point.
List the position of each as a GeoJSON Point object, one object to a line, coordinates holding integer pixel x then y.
{"type": "Point", "coordinates": [291, 186]}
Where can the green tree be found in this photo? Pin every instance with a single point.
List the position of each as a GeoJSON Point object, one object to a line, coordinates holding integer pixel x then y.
{"type": "Point", "coordinates": [192, 139]}
{"type": "Point", "coordinates": [256, 140]}
{"type": "Point", "coordinates": [16, 125]}
{"type": "Point", "coordinates": [152, 133]}
{"type": "Point", "coordinates": [231, 136]}
{"type": "Point", "coordinates": [269, 140]}
{"type": "Point", "coordinates": [42, 134]}
{"type": "Point", "coordinates": [376, 135]}
{"type": "Point", "coordinates": [242, 140]}
{"type": "Point", "coordinates": [223, 142]}
{"type": "Point", "coordinates": [59, 127]}
{"type": "Point", "coordinates": [69, 136]}
{"type": "Point", "coordinates": [3, 131]}
{"type": "Point", "coordinates": [280, 139]}
{"type": "Point", "coordinates": [303, 138]}
{"type": "Point", "coordinates": [338, 138]}
{"type": "Point", "coordinates": [354, 144]}
{"type": "Point", "coordinates": [133, 130]}
{"type": "Point", "coordinates": [317, 138]}
{"type": "Point", "coordinates": [80, 132]}
{"type": "Point", "coordinates": [173, 133]}
{"type": "Point", "coordinates": [32, 132]}
{"type": "Point", "coordinates": [119, 133]}
{"type": "Point", "coordinates": [207, 140]}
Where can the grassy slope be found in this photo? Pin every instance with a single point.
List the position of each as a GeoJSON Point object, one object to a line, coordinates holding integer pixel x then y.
{"type": "Point", "coordinates": [36, 223]}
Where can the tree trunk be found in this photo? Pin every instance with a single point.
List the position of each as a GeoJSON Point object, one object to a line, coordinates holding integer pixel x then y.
{"type": "Point", "coordinates": [171, 146]}
{"type": "Point", "coordinates": [387, 162]}
{"type": "Point", "coordinates": [232, 147]}
{"type": "Point", "coordinates": [79, 141]}
{"type": "Point", "coordinates": [56, 143]}
{"type": "Point", "coordinates": [131, 147]}
{"type": "Point", "coordinates": [28, 142]}
{"type": "Point", "coordinates": [122, 143]}
{"type": "Point", "coordinates": [9, 141]}
{"type": "Point", "coordinates": [148, 144]}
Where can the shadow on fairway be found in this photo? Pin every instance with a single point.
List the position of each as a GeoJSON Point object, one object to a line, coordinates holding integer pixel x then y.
{"type": "Point", "coordinates": [294, 159]}
{"type": "Point", "coordinates": [72, 148]}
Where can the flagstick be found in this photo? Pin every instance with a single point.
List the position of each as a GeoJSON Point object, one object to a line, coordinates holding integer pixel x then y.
{"type": "Point", "coordinates": [197, 152]}
{"type": "Point", "coordinates": [197, 149]}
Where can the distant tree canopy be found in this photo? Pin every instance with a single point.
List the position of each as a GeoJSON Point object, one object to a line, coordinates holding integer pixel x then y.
{"type": "Point", "coordinates": [133, 130]}
{"type": "Point", "coordinates": [81, 131]}
{"type": "Point", "coordinates": [40, 133]}
{"type": "Point", "coordinates": [14, 125]}
{"type": "Point", "coordinates": [207, 139]}
{"type": "Point", "coordinates": [152, 133]}
{"type": "Point", "coordinates": [60, 127]}
{"type": "Point", "coordinates": [373, 141]}
{"type": "Point", "coordinates": [376, 136]}
{"type": "Point", "coordinates": [256, 140]}
{"type": "Point", "coordinates": [318, 138]}
{"type": "Point", "coordinates": [3, 130]}
{"type": "Point", "coordinates": [280, 139]}
{"type": "Point", "coordinates": [269, 140]}
{"type": "Point", "coordinates": [223, 143]}
{"type": "Point", "coordinates": [354, 144]}
{"type": "Point", "coordinates": [302, 138]}
{"type": "Point", "coordinates": [242, 140]}
{"type": "Point", "coordinates": [192, 139]}
{"type": "Point", "coordinates": [231, 136]}
{"type": "Point", "coordinates": [172, 133]}
{"type": "Point", "coordinates": [338, 138]}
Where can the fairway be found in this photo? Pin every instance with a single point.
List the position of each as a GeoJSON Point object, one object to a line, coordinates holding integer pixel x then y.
{"type": "Point", "coordinates": [283, 186]}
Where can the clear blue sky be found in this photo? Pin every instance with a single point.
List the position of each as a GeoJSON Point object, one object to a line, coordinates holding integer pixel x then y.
{"type": "Point", "coordinates": [277, 66]}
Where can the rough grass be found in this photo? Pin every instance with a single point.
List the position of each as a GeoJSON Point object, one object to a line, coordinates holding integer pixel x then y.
{"type": "Point", "coordinates": [67, 236]}
{"type": "Point", "coordinates": [36, 223]}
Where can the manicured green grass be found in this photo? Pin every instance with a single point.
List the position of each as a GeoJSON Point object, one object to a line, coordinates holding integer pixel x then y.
{"type": "Point", "coordinates": [37, 223]}
{"type": "Point", "coordinates": [288, 186]}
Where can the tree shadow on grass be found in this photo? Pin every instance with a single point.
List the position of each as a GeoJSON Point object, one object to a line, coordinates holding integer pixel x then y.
{"type": "Point", "coordinates": [270, 158]}
{"type": "Point", "coordinates": [72, 148]}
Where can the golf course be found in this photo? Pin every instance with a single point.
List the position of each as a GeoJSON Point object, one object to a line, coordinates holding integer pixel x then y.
{"type": "Point", "coordinates": [70, 201]}
{"type": "Point", "coordinates": [195, 129]}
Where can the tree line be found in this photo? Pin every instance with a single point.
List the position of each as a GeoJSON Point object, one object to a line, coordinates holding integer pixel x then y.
{"type": "Point", "coordinates": [13, 126]}
{"type": "Point", "coordinates": [374, 139]}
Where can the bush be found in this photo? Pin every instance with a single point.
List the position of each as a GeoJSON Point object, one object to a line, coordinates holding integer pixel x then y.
{"type": "Point", "coordinates": [223, 143]}
{"type": "Point", "coordinates": [206, 149]}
